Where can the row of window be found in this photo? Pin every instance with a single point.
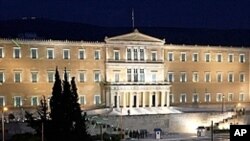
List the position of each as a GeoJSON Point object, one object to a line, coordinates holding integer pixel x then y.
{"type": "Point", "coordinates": [207, 77]}
{"type": "Point", "coordinates": [34, 77]}
{"type": "Point", "coordinates": [50, 53]}
{"type": "Point", "coordinates": [207, 57]}
{"type": "Point", "coordinates": [207, 97]}
{"type": "Point", "coordinates": [34, 100]}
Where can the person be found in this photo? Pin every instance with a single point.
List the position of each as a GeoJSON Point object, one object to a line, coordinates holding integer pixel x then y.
{"type": "Point", "coordinates": [128, 112]}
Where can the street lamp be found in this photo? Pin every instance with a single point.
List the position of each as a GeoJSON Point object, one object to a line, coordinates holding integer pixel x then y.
{"type": "Point", "coordinates": [3, 110]}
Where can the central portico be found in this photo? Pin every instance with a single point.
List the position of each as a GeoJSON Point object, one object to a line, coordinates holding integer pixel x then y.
{"type": "Point", "coordinates": [135, 78]}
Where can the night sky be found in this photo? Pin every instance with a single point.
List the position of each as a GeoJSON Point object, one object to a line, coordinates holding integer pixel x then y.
{"type": "Point", "coordinates": [219, 14]}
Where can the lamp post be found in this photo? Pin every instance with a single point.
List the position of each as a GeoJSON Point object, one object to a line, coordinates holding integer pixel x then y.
{"type": "Point", "coordinates": [3, 110]}
{"type": "Point", "coordinates": [222, 106]}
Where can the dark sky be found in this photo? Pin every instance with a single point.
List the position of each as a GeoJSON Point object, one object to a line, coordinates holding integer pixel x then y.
{"type": "Point", "coordinates": [220, 14]}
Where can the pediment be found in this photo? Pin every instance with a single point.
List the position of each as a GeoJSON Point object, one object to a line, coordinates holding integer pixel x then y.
{"type": "Point", "coordinates": [135, 36]}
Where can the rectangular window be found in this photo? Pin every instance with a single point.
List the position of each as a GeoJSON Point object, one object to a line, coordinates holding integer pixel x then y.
{"type": "Point", "coordinates": [195, 77]}
{"type": "Point", "coordinates": [207, 97]}
{"type": "Point", "coordinates": [17, 77]}
{"type": "Point", "coordinates": [242, 77]}
{"type": "Point", "coordinates": [183, 77]}
{"type": "Point", "coordinates": [230, 58]}
{"type": "Point", "coordinates": [219, 57]}
{"type": "Point", "coordinates": [82, 77]}
{"type": "Point", "coordinates": [34, 77]}
{"type": "Point", "coordinates": [170, 56]}
{"type": "Point", "coordinates": [230, 77]}
{"type": "Point", "coordinates": [170, 77]}
{"type": "Point", "coordinates": [183, 98]}
{"type": "Point", "coordinates": [207, 77]}
{"type": "Point", "coordinates": [242, 97]}
{"type": "Point", "coordinates": [97, 100]}
{"type": "Point", "coordinates": [34, 101]}
{"type": "Point", "coordinates": [66, 54]}
{"type": "Point", "coordinates": [135, 75]}
{"type": "Point", "coordinates": [219, 97]}
{"type": "Point", "coordinates": [153, 77]}
{"type": "Point", "coordinates": [154, 56]}
{"type": "Point", "coordinates": [183, 57]}
{"type": "Point", "coordinates": [17, 52]}
{"type": "Point", "coordinates": [50, 53]}
{"type": "Point", "coordinates": [82, 100]}
{"type": "Point", "coordinates": [97, 55]}
{"type": "Point", "coordinates": [33, 53]}
{"type": "Point", "coordinates": [81, 54]}
{"type": "Point", "coordinates": [129, 55]}
{"type": "Point", "coordinates": [2, 101]}
{"type": "Point", "coordinates": [171, 98]}
{"type": "Point", "coordinates": [230, 97]}
{"type": "Point", "coordinates": [97, 76]}
{"type": "Point", "coordinates": [129, 75]}
{"type": "Point", "coordinates": [2, 79]}
{"type": "Point", "coordinates": [17, 101]}
{"type": "Point", "coordinates": [135, 54]}
{"type": "Point", "coordinates": [51, 76]}
{"type": "Point", "coordinates": [1, 52]}
{"type": "Point", "coordinates": [219, 77]}
{"type": "Point", "coordinates": [116, 55]}
{"type": "Point", "coordinates": [195, 98]}
{"type": "Point", "coordinates": [242, 58]}
{"type": "Point", "coordinates": [142, 75]}
{"type": "Point", "coordinates": [116, 77]}
{"type": "Point", "coordinates": [142, 54]}
{"type": "Point", "coordinates": [195, 57]}
{"type": "Point", "coordinates": [207, 57]}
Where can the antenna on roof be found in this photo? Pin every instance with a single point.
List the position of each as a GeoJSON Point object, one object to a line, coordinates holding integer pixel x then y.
{"type": "Point", "coordinates": [133, 19]}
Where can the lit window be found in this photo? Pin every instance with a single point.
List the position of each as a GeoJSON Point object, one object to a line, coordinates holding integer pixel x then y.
{"type": "Point", "coordinates": [50, 53]}
{"type": "Point", "coordinates": [153, 77]}
{"type": "Point", "coordinates": [17, 52]}
{"type": "Point", "coordinates": [17, 101]}
{"type": "Point", "coordinates": [51, 76]}
{"type": "Point", "coordinates": [2, 101]}
{"type": "Point", "coordinates": [195, 98]}
{"type": "Point", "coordinates": [33, 53]}
{"type": "Point", "coordinates": [230, 58]}
{"type": "Point", "coordinates": [242, 58]}
{"type": "Point", "coordinates": [170, 56]}
{"type": "Point", "coordinates": [219, 77]}
{"type": "Point", "coordinates": [219, 57]}
{"type": "Point", "coordinates": [230, 97]}
{"type": "Point", "coordinates": [195, 77]}
{"type": "Point", "coordinates": [170, 77]}
{"type": "Point", "coordinates": [195, 57]}
{"type": "Point", "coordinates": [183, 57]}
{"type": "Point", "coordinates": [207, 97]}
{"type": "Point", "coordinates": [66, 54]}
{"type": "Point", "coordinates": [129, 76]}
{"type": "Point", "coordinates": [97, 100]}
{"type": "Point", "coordinates": [183, 77]}
{"type": "Point", "coordinates": [17, 77]}
{"type": "Point", "coordinates": [242, 77]}
{"type": "Point", "coordinates": [34, 77]}
{"type": "Point", "coordinates": [1, 52]}
{"type": "Point", "coordinates": [219, 97]}
{"type": "Point", "coordinates": [97, 55]}
{"type": "Point", "coordinates": [242, 97]}
{"type": "Point", "coordinates": [207, 77]}
{"type": "Point", "coordinates": [34, 101]}
{"type": "Point", "coordinates": [116, 77]}
{"type": "Point", "coordinates": [230, 77]}
{"type": "Point", "coordinates": [207, 57]}
{"type": "Point", "coordinates": [141, 54]}
{"type": "Point", "coordinates": [154, 56]}
{"type": "Point", "coordinates": [97, 76]}
{"type": "Point", "coordinates": [81, 54]}
{"type": "Point", "coordinates": [183, 98]}
{"type": "Point", "coordinates": [82, 100]}
{"type": "Point", "coordinates": [129, 55]}
{"type": "Point", "coordinates": [116, 55]}
{"type": "Point", "coordinates": [142, 75]}
{"type": "Point", "coordinates": [2, 79]}
{"type": "Point", "coordinates": [82, 77]}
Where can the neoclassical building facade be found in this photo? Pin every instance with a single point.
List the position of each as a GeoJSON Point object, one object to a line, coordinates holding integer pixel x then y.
{"type": "Point", "coordinates": [130, 70]}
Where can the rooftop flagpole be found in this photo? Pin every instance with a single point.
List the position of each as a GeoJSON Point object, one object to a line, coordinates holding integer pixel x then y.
{"type": "Point", "coordinates": [133, 19]}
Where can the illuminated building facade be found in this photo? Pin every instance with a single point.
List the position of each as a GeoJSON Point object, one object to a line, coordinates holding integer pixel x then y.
{"type": "Point", "coordinates": [130, 70]}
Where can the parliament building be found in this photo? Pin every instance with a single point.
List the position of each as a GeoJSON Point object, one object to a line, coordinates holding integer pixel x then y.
{"type": "Point", "coordinates": [132, 70]}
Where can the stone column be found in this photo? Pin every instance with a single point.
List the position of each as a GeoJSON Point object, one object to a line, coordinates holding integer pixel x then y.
{"type": "Point", "coordinates": [130, 99]}
{"type": "Point", "coordinates": [150, 99]}
{"type": "Point", "coordinates": [137, 100]}
{"type": "Point", "coordinates": [107, 98]}
{"type": "Point", "coordinates": [124, 100]}
{"type": "Point", "coordinates": [162, 98]}
{"type": "Point", "coordinates": [156, 99]}
{"type": "Point", "coordinates": [117, 100]}
{"type": "Point", "coordinates": [112, 99]}
{"type": "Point", "coordinates": [167, 102]}
{"type": "Point", "coordinates": [143, 99]}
